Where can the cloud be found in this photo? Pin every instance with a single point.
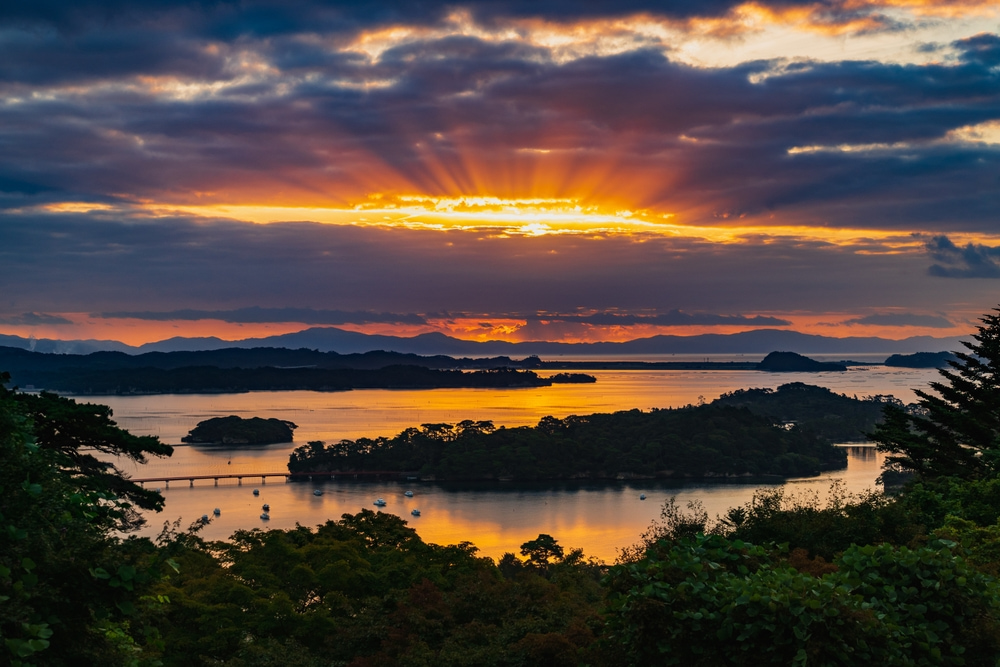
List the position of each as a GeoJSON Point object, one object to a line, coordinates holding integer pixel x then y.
{"type": "Point", "coordinates": [671, 318]}
{"type": "Point", "coordinates": [970, 261]}
{"type": "Point", "coordinates": [902, 320]}
{"type": "Point", "coordinates": [187, 115]}
{"type": "Point", "coordinates": [257, 315]}
{"type": "Point", "coordinates": [109, 263]}
{"type": "Point", "coordinates": [33, 319]}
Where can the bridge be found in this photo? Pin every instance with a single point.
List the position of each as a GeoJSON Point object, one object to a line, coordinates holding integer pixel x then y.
{"type": "Point", "coordinates": [288, 476]}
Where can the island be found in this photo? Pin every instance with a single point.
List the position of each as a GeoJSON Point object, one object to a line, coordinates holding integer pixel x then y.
{"type": "Point", "coordinates": [921, 360]}
{"type": "Point", "coordinates": [233, 430]}
{"type": "Point", "coordinates": [830, 416]}
{"type": "Point", "coordinates": [572, 378]}
{"type": "Point", "coordinates": [791, 362]}
{"type": "Point", "coordinates": [750, 433]}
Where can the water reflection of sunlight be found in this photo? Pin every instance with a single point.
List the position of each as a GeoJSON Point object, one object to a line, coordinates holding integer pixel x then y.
{"type": "Point", "coordinates": [601, 519]}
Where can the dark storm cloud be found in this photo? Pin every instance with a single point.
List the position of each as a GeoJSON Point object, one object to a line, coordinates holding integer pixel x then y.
{"type": "Point", "coordinates": [98, 263]}
{"type": "Point", "coordinates": [902, 320]}
{"type": "Point", "coordinates": [982, 49]}
{"type": "Point", "coordinates": [970, 261]}
{"type": "Point", "coordinates": [33, 319]}
{"type": "Point", "coordinates": [671, 318]}
{"type": "Point", "coordinates": [257, 315]}
{"type": "Point", "coordinates": [263, 18]}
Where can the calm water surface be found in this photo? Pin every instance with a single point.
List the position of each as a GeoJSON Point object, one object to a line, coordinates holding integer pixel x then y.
{"type": "Point", "coordinates": [497, 518]}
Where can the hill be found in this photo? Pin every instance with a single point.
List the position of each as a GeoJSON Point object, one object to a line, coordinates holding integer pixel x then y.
{"type": "Point", "coordinates": [330, 339]}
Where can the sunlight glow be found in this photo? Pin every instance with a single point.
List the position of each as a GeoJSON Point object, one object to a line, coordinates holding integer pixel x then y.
{"type": "Point", "coordinates": [983, 133]}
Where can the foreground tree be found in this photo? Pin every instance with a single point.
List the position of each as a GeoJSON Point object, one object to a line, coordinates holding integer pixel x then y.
{"type": "Point", "coordinates": [957, 430]}
{"type": "Point", "coordinates": [68, 588]}
{"type": "Point", "coordinates": [83, 439]}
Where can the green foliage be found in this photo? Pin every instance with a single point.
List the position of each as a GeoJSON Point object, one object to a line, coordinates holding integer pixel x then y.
{"type": "Point", "coordinates": [711, 601]}
{"type": "Point", "coordinates": [366, 590]}
{"type": "Point", "coordinates": [67, 588]}
{"type": "Point", "coordinates": [541, 549]}
{"type": "Point", "coordinates": [77, 433]}
{"type": "Point", "coordinates": [821, 528]}
{"type": "Point", "coordinates": [710, 440]}
{"type": "Point", "coordinates": [956, 432]}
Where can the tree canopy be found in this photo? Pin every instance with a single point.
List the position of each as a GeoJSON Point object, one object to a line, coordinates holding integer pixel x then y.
{"type": "Point", "coordinates": [79, 433]}
{"type": "Point", "coordinates": [956, 430]}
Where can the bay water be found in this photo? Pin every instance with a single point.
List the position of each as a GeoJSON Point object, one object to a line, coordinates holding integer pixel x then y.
{"type": "Point", "coordinates": [496, 517]}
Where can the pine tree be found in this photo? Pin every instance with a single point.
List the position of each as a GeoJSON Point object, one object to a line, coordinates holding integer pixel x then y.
{"type": "Point", "coordinates": [957, 430]}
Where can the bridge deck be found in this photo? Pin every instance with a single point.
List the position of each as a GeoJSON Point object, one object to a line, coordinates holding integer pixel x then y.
{"type": "Point", "coordinates": [265, 475]}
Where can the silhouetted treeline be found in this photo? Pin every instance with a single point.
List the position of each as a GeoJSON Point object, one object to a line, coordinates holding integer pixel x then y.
{"type": "Point", "coordinates": [208, 379]}
{"type": "Point", "coordinates": [831, 416]}
{"type": "Point", "coordinates": [921, 360]}
{"type": "Point", "coordinates": [23, 363]}
{"type": "Point", "coordinates": [703, 441]}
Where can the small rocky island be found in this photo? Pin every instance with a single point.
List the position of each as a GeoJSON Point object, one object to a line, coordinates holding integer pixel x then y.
{"type": "Point", "coordinates": [233, 430]}
{"type": "Point", "coordinates": [791, 362]}
{"type": "Point", "coordinates": [572, 378]}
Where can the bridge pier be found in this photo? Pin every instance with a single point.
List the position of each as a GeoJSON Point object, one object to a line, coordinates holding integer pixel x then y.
{"type": "Point", "coordinates": [263, 479]}
{"type": "Point", "coordinates": [216, 481]}
{"type": "Point", "coordinates": [192, 483]}
{"type": "Point", "coordinates": [167, 482]}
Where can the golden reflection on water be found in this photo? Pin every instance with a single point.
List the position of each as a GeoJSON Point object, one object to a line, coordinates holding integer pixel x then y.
{"type": "Point", "coordinates": [600, 519]}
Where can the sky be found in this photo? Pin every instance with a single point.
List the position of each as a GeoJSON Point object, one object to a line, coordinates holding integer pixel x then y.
{"type": "Point", "coordinates": [503, 169]}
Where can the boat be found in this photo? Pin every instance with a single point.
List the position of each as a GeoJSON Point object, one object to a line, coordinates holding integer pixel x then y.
{"type": "Point", "coordinates": [408, 494]}
{"type": "Point", "coordinates": [415, 512]}
{"type": "Point", "coordinates": [642, 496]}
{"type": "Point", "coordinates": [317, 492]}
{"type": "Point", "coordinates": [204, 518]}
{"type": "Point", "coordinates": [379, 502]}
{"type": "Point", "coordinates": [256, 492]}
{"type": "Point", "coordinates": [265, 516]}
{"type": "Point", "coordinates": [266, 507]}
{"type": "Point", "coordinates": [216, 511]}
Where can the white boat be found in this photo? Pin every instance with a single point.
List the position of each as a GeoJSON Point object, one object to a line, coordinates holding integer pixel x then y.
{"type": "Point", "coordinates": [408, 494]}
{"type": "Point", "coordinates": [266, 507]}
{"type": "Point", "coordinates": [256, 492]}
{"type": "Point", "coordinates": [216, 511]}
{"type": "Point", "coordinates": [317, 492]}
{"type": "Point", "coordinates": [204, 518]}
{"type": "Point", "coordinates": [379, 502]}
{"type": "Point", "coordinates": [642, 496]}
{"type": "Point", "coordinates": [265, 516]}
{"type": "Point", "coordinates": [415, 512]}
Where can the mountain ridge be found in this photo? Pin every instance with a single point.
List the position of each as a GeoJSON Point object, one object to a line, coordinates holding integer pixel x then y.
{"type": "Point", "coordinates": [333, 339]}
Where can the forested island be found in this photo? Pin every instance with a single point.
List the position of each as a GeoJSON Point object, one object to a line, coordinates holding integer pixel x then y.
{"type": "Point", "coordinates": [921, 360]}
{"type": "Point", "coordinates": [744, 434]}
{"type": "Point", "coordinates": [791, 362]}
{"type": "Point", "coordinates": [233, 430]}
{"type": "Point", "coordinates": [204, 380]}
{"type": "Point", "coordinates": [831, 416]}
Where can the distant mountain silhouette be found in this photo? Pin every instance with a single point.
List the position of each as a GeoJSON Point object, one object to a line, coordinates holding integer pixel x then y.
{"type": "Point", "coordinates": [332, 339]}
